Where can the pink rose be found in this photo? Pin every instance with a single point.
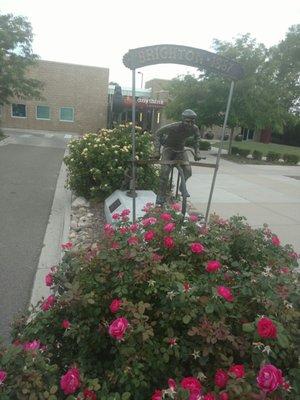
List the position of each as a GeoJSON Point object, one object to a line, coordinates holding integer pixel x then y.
{"type": "Point", "coordinates": [115, 305]}
{"type": "Point", "coordinates": [118, 328]}
{"type": "Point", "coordinates": [209, 396]}
{"type": "Point", "coordinates": [31, 346]}
{"type": "Point", "coordinates": [221, 378]}
{"type": "Point", "coordinates": [194, 395]}
{"type": "Point", "coordinates": [133, 228]}
{"type": "Point", "coordinates": [225, 292]}
{"type": "Point", "coordinates": [116, 216]}
{"type": "Point", "coordinates": [186, 287]}
{"type": "Point", "coordinates": [191, 384]}
{"type": "Point", "coordinates": [169, 227]}
{"type": "Point", "coordinates": [172, 384]}
{"type": "Point", "coordinates": [238, 370]}
{"type": "Point", "coordinates": [149, 221]}
{"type": "Point", "coordinates": [156, 257]}
{"type": "Point", "coordinates": [3, 376]}
{"type": "Point", "coordinates": [176, 207]}
{"type": "Point", "coordinates": [223, 396]}
{"type": "Point", "coordinates": [48, 303]}
{"type": "Point", "coordinates": [115, 245]}
{"type": "Point", "coordinates": [133, 240]}
{"type": "Point", "coordinates": [166, 217]}
{"type": "Point", "coordinates": [213, 266]}
{"type": "Point", "coordinates": [125, 212]}
{"type": "Point", "coordinates": [275, 240]}
{"type": "Point", "coordinates": [123, 229]}
{"type": "Point", "coordinates": [70, 382]}
{"type": "Point", "coordinates": [148, 236]}
{"type": "Point", "coordinates": [197, 248]}
{"type": "Point", "coordinates": [66, 324]}
{"type": "Point", "coordinates": [49, 280]}
{"type": "Point", "coordinates": [266, 328]}
{"type": "Point", "coordinates": [157, 395]}
{"type": "Point", "coordinates": [269, 378]}
{"type": "Point", "coordinates": [172, 342]}
{"type": "Point", "coordinates": [67, 246]}
{"type": "Point", "coordinates": [169, 242]}
{"type": "Point", "coordinates": [109, 230]}
{"type": "Point", "coordinates": [89, 394]}
{"type": "Point", "coordinates": [193, 218]}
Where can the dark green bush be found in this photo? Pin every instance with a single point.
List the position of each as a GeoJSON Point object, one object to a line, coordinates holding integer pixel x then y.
{"type": "Point", "coordinates": [257, 155]}
{"type": "Point", "coordinates": [244, 152]}
{"type": "Point", "coordinates": [273, 156]}
{"type": "Point", "coordinates": [203, 144]}
{"type": "Point", "coordinates": [209, 135]}
{"type": "Point", "coordinates": [238, 138]}
{"type": "Point", "coordinates": [291, 158]}
{"type": "Point", "coordinates": [235, 150]}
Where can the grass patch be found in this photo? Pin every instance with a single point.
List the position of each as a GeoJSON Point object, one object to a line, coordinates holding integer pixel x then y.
{"type": "Point", "coordinates": [264, 148]}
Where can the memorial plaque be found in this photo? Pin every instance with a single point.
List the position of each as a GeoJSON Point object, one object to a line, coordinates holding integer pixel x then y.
{"type": "Point", "coordinates": [114, 205]}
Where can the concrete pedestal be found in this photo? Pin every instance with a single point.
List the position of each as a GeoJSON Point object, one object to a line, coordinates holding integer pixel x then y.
{"type": "Point", "coordinates": [118, 201]}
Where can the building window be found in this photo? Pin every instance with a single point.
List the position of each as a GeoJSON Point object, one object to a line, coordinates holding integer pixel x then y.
{"type": "Point", "coordinates": [18, 110]}
{"type": "Point", "coordinates": [66, 114]}
{"type": "Point", "coordinates": [42, 112]}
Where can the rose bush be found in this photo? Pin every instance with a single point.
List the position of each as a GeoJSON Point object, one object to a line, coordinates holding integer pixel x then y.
{"type": "Point", "coordinates": [187, 312]}
{"type": "Point", "coordinates": [97, 162]}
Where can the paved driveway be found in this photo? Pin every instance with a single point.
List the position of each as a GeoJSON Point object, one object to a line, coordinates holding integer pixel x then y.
{"type": "Point", "coordinates": [262, 193]}
{"type": "Point", "coordinates": [29, 167]}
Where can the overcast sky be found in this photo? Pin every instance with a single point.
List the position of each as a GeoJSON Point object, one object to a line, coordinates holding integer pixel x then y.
{"type": "Point", "coordinates": [100, 32]}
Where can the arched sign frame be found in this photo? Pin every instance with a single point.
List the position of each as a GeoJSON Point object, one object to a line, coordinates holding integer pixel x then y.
{"type": "Point", "coordinates": [189, 56]}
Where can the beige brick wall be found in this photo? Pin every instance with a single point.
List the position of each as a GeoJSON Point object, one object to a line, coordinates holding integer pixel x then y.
{"type": "Point", "coordinates": [66, 85]}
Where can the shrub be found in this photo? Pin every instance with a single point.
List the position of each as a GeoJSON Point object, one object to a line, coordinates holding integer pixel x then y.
{"type": "Point", "coordinates": [238, 138]}
{"type": "Point", "coordinates": [235, 150]}
{"type": "Point", "coordinates": [203, 144]}
{"type": "Point", "coordinates": [257, 155]}
{"type": "Point", "coordinates": [209, 135]}
{"type": "Point", "coordinates": [211, 307]}
{"type": "Point", "coordinates": [291, 158]}
{"type": "Point", "coordinates": [273, 156]}
{"type": "Point", "coordinates": [96, 162]}
{"type": "Point", "coordinates": [244, 152]}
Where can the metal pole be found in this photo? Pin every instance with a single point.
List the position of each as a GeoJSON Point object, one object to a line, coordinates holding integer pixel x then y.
{"type": "Point", "coordinates": [133, 181]}
{"type": "Point", "coordinates": [219, 153]}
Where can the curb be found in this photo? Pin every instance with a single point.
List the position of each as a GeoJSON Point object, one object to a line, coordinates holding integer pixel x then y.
{"type": "Point", "coordinates": [56, 233]}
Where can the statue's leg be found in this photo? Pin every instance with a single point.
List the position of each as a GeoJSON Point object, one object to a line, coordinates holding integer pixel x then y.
{"type": "Point", "coordinates": [163, 178]}
{"type": "Point", "coordinates": [187, 170]}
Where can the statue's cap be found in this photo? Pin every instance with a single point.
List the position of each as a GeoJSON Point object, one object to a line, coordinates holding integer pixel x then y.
{"type": "Point", "coordinates": [189, 114]}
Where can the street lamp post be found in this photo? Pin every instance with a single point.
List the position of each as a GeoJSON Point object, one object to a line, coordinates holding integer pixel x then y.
{"type": "Point", "coordinates": [142, 78]}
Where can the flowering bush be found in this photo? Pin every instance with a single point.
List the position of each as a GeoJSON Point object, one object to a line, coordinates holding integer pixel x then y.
{"type": "Point", "coordinates": [96, 162]}
{"type": "Point", "coordinates": [186, 312]}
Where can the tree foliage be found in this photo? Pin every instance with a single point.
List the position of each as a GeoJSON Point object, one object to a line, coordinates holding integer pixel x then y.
{"type": "Point", "coordinates": [16, 56]}
{"type": "Point", "coordinates": [265, 97]}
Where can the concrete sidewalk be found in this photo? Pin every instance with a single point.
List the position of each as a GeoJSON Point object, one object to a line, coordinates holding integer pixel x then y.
{"type": "Point", "coordinates": [262, 193]}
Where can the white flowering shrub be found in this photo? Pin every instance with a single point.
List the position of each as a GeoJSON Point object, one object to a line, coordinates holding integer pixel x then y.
{"type": "Point", "coordinates": [97, 162]}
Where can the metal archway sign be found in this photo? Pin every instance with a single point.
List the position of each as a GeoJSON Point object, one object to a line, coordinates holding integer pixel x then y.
{"type": "Point", "coordinates": [192, 57]}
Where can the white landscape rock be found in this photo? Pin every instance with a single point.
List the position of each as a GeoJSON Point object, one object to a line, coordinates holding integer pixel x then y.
{"type": "Point", "coordinates": [80, 202]}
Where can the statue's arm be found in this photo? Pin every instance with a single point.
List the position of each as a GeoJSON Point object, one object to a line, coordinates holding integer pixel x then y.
{"type": "Point", "coordinates": [159, 139]}
{"type": "Point", "coordinates": [197, 137]}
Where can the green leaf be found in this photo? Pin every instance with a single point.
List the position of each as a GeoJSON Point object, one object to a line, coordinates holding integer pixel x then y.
{"type": "Point", "coordinates": [166, 357]}
{"type": "Point", "coordinates": [186, 319]}
{"type": "Point", "coordinates": [126, 396]}
{"type": "Point", "coordinates": [248, 327]}
{"type": "Point", "coordinates": [209, 309]}
{"type": "Point", "coordinates": [283, 341]}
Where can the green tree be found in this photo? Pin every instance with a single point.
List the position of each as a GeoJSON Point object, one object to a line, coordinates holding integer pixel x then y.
{"type": "Point", "coordinates": [262, 99]}
{"type": "Point", "coordinates": [16, 56]}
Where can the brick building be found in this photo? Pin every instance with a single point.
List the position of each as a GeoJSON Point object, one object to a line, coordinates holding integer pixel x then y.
{"type": "Point", "coordinates": [74, 100]}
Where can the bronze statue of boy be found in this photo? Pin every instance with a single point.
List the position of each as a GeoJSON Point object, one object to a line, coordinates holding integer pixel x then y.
{"type": "Point", "coordinates": [173, 137]}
